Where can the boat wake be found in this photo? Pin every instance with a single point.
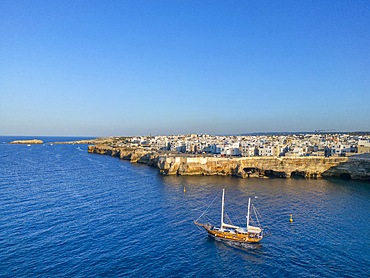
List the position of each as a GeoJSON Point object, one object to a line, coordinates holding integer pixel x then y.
{"type": "Point", "coordinates": [241, 245]}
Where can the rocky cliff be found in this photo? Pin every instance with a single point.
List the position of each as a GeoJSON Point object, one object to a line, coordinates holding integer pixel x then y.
{"type": "Point", "coordinates": [134, 155]}
{"type": "Point", "coordinates": [284, 167]}
{"type": "Point", "coordinates": [249, 166]}
{"type": "Point", "coordinates": [356, 167]}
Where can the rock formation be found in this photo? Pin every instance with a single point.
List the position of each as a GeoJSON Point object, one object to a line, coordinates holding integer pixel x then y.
{"type": "Point", "coordinates": [357, 167]}
{"type": "Point", "coordinates": [33, 141]}
{"type": "Point", "coordinates": [249, 166]}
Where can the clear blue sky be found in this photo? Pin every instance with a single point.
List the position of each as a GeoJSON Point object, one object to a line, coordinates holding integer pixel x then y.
{"type": "Point", "coordinates": [105, 68]}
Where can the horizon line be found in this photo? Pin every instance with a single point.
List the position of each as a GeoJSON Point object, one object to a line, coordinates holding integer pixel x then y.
{"type": "Point", "coordinates": [219, 134]}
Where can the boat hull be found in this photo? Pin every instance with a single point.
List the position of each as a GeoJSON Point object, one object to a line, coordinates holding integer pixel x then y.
{"type": "Point", "coordinates": [233, 237]}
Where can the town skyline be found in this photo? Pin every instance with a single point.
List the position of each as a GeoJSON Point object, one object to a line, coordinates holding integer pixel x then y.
{"type": "Point", "coordinates": [271, 145]}
{"type": "Point", "coordinates": [72, 68]}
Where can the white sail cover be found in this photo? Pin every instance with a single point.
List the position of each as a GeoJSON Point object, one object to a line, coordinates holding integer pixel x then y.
{"type": "Point", "coordinates": [254, 230]}
{"type": "Point", "coordinates": [241, 230]}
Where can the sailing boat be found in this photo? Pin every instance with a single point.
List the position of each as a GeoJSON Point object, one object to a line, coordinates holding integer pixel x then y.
{"type": "Point", "coordinates": [228, 232]}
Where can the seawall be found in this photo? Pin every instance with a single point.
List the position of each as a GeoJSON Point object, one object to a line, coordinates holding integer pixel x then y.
{"type": "Point", "coordinates": [356, 167]}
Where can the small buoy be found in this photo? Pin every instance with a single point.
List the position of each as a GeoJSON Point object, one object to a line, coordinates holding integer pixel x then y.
{"type": "Point", "coordinates": [291, 218]}
{"type": "Point", "coordinates": [184, 189]}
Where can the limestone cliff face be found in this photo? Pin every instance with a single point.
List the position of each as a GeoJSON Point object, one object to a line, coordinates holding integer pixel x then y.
{"type": "Point", "coordinates": [357, 167]}
{"type": "Point", "coordinates": [134, 155]}
{"type": "Point", "coordinates": [196, 166]}
{"type": "Point", "coordinates": [284, 167]}
{"type": "Point", "coordinates": [104, 149]}
{"type": "Point", "coordinates": [249, 166]}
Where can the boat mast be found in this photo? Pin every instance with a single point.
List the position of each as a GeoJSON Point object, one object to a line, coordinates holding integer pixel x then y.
{"type": "Point", "coordinates": [222, 209]}
{"type": "Point", "coordinates": [249, 206]}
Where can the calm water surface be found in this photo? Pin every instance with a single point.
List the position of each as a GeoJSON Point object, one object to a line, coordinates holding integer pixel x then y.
{"type": "Point", "coordinates": [64, 212]}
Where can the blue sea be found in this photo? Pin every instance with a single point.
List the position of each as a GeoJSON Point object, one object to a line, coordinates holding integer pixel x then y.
{"type": "Point", "coordinates": [67, 213]}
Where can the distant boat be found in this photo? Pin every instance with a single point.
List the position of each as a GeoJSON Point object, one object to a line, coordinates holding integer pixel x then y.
{"type": "Point", "coordinates": [228, 232]}
{"type": "Point", "coordinates": [29, 145]}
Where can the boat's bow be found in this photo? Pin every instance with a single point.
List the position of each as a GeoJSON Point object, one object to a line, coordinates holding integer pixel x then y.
{"type": "Point", "coordinates": [205, 226]}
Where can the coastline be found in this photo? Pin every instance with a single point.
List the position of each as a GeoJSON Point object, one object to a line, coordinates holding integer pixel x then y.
{"type": "Point", "coordinates": [355, 167]}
